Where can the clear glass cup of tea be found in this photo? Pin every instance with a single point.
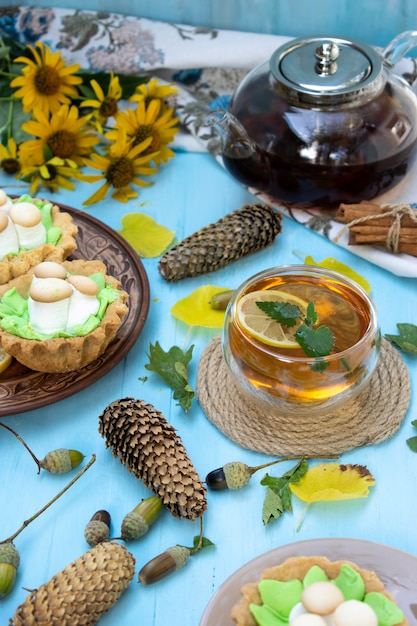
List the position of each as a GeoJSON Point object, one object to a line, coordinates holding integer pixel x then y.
{"type": "Point", "coordinates": [301, 338]}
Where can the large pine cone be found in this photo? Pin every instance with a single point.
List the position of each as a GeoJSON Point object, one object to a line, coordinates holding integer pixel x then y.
{"type": "Point", "coordinates": [236, 235]}
{"type": "Point", "coordinates": [82, 592]}
{"type": "Point", "coordinates": [151, 449]}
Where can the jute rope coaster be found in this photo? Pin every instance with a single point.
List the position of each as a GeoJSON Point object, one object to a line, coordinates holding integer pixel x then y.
{"type": "Point", "coordinates": [374, 415]}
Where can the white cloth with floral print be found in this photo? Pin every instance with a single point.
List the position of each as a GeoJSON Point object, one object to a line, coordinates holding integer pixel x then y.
{"type": "Point", "coordinates": [206, 65]}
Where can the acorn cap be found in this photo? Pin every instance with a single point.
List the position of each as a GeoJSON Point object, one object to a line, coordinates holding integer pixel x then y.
{"type": "Point", "coordinates": [50, 269]}
{"type": "Point", "coordinates": [25, 214]}
{"type": "Point", "coordinates": [84, 284]}
{"type": "Point", "coordinates": [50, 290]}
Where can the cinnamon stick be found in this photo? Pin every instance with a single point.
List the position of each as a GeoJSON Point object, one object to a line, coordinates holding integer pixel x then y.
{"type": "Point", "coordinates": [393, 226]}
{"type": "Point", "coordinates": [348, 212]}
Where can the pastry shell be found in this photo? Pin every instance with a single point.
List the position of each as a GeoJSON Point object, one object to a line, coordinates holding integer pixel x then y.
{"type": "Point", "coordinates": [12, 265]}
{"type": "Point", "coordinates": [58, 355]}
{"type": "Point", "coordinates": [297, 567]}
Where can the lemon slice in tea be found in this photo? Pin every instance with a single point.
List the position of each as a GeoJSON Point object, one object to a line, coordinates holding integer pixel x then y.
{"type": "Point", "coordinates": [262, 327]}
{"type": "Point", "coordinates": [5, 360]}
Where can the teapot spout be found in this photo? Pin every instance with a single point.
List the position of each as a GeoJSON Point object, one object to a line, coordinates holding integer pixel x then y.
{"type": "Point", "coordinates": [242, 156]}
{"type": "Point", "coordinates": [398, 47]}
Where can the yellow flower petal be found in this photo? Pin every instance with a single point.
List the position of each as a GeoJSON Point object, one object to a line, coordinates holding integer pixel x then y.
{"type": "Point", "coordinates": [195, 309]}
{"type": "Point", "coordinates": [331, 481]}
{"type": "Point", "coordinates": [145, 235]}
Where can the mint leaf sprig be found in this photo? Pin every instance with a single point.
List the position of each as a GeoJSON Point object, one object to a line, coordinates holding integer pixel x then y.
{"type": "Point", "coordinates": [316, 342]}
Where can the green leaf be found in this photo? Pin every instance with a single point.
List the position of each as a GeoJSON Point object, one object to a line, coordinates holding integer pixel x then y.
{"type": "Point", "coordinates": [311, 315]}
{"type": "Point", "coordinates": [283, 312]}
{"type": "Point", "coordinates": [407, 339]}
{"type": "Point", "coordinates": [172, 368]}
{"type": "Point", "coordinates": [315, 342]}
{"type": "Point", "coordinates": [201, 542]}
{"type": "Point", "coordinates": [412, 443]}
{"type": "Point", "coordinates": [280, 488]}
{"type": "Point", "coordinates": [272, 506]}
{"type": "Point", "coordinates": [414, 423]}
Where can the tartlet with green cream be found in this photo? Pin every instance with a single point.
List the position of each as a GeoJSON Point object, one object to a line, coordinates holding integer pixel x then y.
{"type": "Point", "coordinates": [63, 322]}
{"type": "Point", "coordinates": [302, 590]}
{"type": "Point", "coordinates": [31, 231]}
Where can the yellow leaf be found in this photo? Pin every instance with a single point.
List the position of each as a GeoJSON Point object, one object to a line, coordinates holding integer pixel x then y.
{"type": "Point", "coordinates": [337, 266]}
{"type": "Point", "coordinates": [146, 236]}
{"type": "Point", "coordinates": [331, 481]}
{"type": "Point", "coordinates": [195, 309]}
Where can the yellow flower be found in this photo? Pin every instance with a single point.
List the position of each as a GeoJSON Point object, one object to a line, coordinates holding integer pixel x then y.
{"type": "Point", "coordinates": [9, 161]}
{"type": "Point", "coordinates": [146, 122]}
{"type": "Point", "coordinates": [52, 174]}
{"type": "Point", "coordinates": [153, 90]}
{"type": "Point", "coordinates": [62, 134]}
{"type": "Point", "coordinates": [46, 81]}
{"type": "Point", "coordinates": [105, 105]}
{"type": "Point", "coordinates": [120, 168]}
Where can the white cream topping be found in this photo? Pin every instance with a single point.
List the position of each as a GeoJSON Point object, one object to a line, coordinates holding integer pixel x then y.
{"type": "Point", "coordinates": [81, 306]}
{"type": "Point", "coordinates": [347, 613]}
{"type": "Point", "coordinates": [8, 237]}
{"type": "Point", "coordinates": [48, 305]}
{"type": "Point", "coordinates": [48, 317]}
{"type": "Point", "coordinates": [5, 202]}
{"type": "Point", "coordinates": [31, 236]}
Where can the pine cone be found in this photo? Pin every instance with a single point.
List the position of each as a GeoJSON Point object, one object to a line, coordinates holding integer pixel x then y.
{"type": "Point", "coordinates": [150, 448]}
{"type": "Point", "coordinates": [82, 592]}
{"type": "Point", "coordinates": [234, 236]}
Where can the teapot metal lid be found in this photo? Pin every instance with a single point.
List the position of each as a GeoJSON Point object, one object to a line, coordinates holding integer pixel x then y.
{"type": "Point", "coordinates": [327, 70]}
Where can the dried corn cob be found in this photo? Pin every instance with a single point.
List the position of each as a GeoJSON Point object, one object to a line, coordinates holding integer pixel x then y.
{"type": "Point", "coordinates": [234, 236]}
{"type": "Point", "coordinates": [82, 592]}
{"type": "Point", "coordinates": [151, 449]}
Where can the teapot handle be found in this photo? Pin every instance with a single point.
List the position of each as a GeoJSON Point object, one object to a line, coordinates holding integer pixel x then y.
{"type": "Point", "coordinates": [399, 47]}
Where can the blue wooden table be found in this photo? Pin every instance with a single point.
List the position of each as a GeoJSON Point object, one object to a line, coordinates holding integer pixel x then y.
{"type": "Point", "coordinates": [190, 192]}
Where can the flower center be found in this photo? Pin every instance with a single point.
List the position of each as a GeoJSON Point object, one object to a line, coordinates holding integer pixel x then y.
{"type": "Point", "coordinates": [62, 144]}
{"type": "Point", "coordinates": [108, 107]}
{"type": "Point", "coordinates": [142, 133]}
{"type": "Point", "coordinates": [120, 173]}
{"type": "Point", "coordinates": [10, 165]}
{"type": "Point", "coordinates": [47, 81]}
{"type": "Point", "coordinates": [52, 172]}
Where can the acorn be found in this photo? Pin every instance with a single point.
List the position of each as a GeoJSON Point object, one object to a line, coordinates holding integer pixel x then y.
{"type": "Point", "coordinates": [234, 475]}
{"type": "Point", "coordinates": [169, 561]}
{"type": "Point", "coordinates": [61, 461]}
{"type": "Point", "coordinates": [219, 301]}
{"type": "Point", "coordinates": [9, 563]}
{"type": "Point", "coordinates": [98, 528]}
{"type": "Point", "coordinates": [136, 523]}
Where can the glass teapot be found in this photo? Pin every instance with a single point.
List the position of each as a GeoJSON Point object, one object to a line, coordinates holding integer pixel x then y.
{"type": "Point", "coordinates": [325, 121]}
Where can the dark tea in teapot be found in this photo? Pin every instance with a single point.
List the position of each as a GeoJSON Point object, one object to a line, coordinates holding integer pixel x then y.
{"type": "Point", "coordinates": [344, 133]}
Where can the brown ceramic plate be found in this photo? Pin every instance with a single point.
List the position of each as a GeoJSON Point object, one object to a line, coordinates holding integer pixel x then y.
{"type": "Point", "coordinates": [22, 389]}
{"type": "Point", "coordinates": [396, 569]}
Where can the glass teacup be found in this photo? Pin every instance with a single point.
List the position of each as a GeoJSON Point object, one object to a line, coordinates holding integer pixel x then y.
{"type": "Point", "coordinates": [267, 360]}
